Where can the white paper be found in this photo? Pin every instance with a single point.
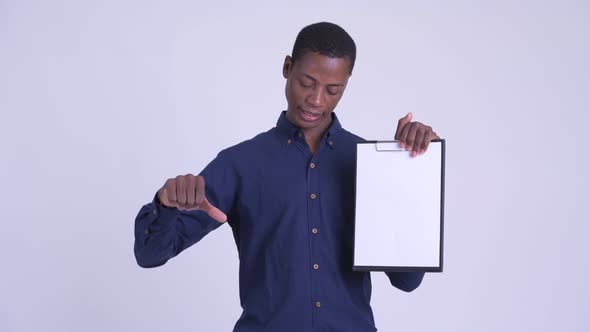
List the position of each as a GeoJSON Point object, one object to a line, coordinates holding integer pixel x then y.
{"type": "Point", "coordinates": [398, 206]}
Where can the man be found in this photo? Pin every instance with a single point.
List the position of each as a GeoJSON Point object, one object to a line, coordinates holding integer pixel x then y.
{"type": "Point", "coordinates": [288, 196]}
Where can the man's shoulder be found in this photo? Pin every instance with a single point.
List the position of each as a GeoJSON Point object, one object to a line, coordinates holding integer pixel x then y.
{"type": "Point", "coordinates": [251, 146]}
{"type": "Point", "coordinates": [351, 137]}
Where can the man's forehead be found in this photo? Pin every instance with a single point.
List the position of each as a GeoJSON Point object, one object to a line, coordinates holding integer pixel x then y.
{"type": "Point", "coordinates": [316, 64]}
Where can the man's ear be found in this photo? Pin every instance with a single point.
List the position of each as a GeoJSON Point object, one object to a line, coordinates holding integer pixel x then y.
{"type": "Point", "coordinates": [287, 66]}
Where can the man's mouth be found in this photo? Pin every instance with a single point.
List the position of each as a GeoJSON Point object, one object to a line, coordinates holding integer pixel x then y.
{"type": "Point", "coordinates": [309, 116]}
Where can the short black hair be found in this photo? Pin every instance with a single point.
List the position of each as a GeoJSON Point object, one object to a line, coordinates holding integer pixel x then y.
{"type": "Point", "coordinates": [327, 39]}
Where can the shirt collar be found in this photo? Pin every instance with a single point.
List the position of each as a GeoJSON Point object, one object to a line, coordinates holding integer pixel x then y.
{"type": "Point", "coordinates": [288, 129]}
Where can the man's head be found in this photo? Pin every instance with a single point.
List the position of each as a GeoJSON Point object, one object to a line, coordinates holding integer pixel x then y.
{"type": "Point", "coordinates": [317, 73]}
{"type": "Point", "coordinates": [326, 39]}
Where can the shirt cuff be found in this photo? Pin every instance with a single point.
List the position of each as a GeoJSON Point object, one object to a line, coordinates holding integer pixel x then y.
{"type": "Point", "coordinates": [164, 216]}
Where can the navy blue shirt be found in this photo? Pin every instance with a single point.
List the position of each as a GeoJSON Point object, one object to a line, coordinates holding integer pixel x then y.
{"type": "Point", "coordinates": [291, 213]}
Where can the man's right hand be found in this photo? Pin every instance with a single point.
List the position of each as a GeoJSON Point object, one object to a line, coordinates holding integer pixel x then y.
{"type": "Point", "coordinates": [187, 192]}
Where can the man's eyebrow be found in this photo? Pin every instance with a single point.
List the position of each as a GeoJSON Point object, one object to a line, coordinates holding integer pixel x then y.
{"type": "Point", "coordinates": [313, 79]}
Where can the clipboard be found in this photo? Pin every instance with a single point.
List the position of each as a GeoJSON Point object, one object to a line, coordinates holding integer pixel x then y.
{"type": "Point", "coordinates": [399, 208]}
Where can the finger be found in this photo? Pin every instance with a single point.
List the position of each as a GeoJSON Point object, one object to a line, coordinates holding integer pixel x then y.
{"type": "Point", "coordinates": [171, 190]}
{"type": "Point", "coordinates": [181, 191]}
{"type": "Point", "coordinates": [213, 212]}
{"type": "Point", "coordinates": [418, 143]}
{"type": "Point", "coordinates": [404, 135]}
{"type": "Point", "coordinates": [428, 137]}
{"type": "Point", "coordinates": [191, 189]}
{"type": "Point", "coordinates": [163, 197]}
{"type": "Point", "coordinates": [401, 123]}
{"type": "Point", "coordinates": [411, 137]}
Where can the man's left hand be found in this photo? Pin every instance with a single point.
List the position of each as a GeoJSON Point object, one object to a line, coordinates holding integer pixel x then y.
{"type": "Point", "coordinates": [414, 136]}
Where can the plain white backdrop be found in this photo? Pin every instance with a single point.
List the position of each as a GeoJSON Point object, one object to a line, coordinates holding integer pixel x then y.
{"type": "Point", "coordinates": [101, 101]}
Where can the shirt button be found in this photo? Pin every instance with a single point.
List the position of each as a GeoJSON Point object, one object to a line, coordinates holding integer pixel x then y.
{"type": "Point", "coordinates": [289, 141]}
{"type": "Point", "coordinates": [316, 266]}
{"type": "Point", "coordinates": [147, 231]}
{"type": "Point", "coordinates": [318, 304]}
{"type": "Point", "coordinates": [313, 196]}
{"type": "Point", "coordinates": [312, 165]}
{"type": "Point", "coordinates": [330, 142]}
{"type": "Point", "coordinates": [314, 230]}
{"type": "Point", "coordinates": [300, 134]}
{"type": "Point", "coordinates": [155, 211]}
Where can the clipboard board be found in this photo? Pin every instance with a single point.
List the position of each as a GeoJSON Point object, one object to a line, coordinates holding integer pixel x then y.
{"type": "Point", "coordinates": [399, 208]}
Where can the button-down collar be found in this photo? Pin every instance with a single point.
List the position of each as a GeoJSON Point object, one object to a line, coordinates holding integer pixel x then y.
{"type": "Point", "coordinates": [291, 132]}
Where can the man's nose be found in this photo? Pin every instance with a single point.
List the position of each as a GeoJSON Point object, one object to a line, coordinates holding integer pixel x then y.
{"type": "Point", "coordinates": [316, 98]}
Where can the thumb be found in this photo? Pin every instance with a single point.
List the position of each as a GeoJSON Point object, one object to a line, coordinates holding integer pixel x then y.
{"type": "Point", "coordinates": [213, 212]}
{"type": "Point", "coordinates": [401, 124]}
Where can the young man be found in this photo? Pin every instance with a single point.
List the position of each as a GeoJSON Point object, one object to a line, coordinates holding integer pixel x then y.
{"type": "Point", "coordinates": [288, 196]}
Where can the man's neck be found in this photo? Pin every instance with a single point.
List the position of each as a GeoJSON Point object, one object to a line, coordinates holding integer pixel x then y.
{"type": "Point", "coordinates": [313, 136]}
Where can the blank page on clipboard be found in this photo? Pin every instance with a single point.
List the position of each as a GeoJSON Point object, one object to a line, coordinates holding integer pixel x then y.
{"type": "Point", "coordinates": [399, 208]}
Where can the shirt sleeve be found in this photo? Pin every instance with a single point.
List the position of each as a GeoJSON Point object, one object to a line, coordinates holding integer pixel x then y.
{"type": "Point", "coordinates": [406, 281]}
{"type": "Point", "coordinates": [161, 232]}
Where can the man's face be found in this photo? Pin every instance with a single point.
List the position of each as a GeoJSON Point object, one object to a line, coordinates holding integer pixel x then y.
{"type": "Point", "coordinates": [315, 84]}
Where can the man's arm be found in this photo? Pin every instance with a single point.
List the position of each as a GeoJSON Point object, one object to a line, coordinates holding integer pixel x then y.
{"type": "Point", "coordinates": [183, 211]}
{"type": "Point", "coordinates": [163, 232]}
{"type": "Point", "coordinates": [406, 281]}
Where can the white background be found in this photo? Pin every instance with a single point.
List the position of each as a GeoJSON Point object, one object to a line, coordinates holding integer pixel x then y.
{"type": "Point", "coordinates": [101, 101]}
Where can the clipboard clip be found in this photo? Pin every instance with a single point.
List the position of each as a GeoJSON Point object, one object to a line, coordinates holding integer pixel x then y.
{"type": "Point", "coordinates": [388, 146]}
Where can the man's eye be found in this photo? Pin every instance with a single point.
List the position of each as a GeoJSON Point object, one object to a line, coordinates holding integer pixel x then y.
{"type": "Point", "coordinates": [333, 92]}
{"type": "Point", "coordinates": [306, 84]}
